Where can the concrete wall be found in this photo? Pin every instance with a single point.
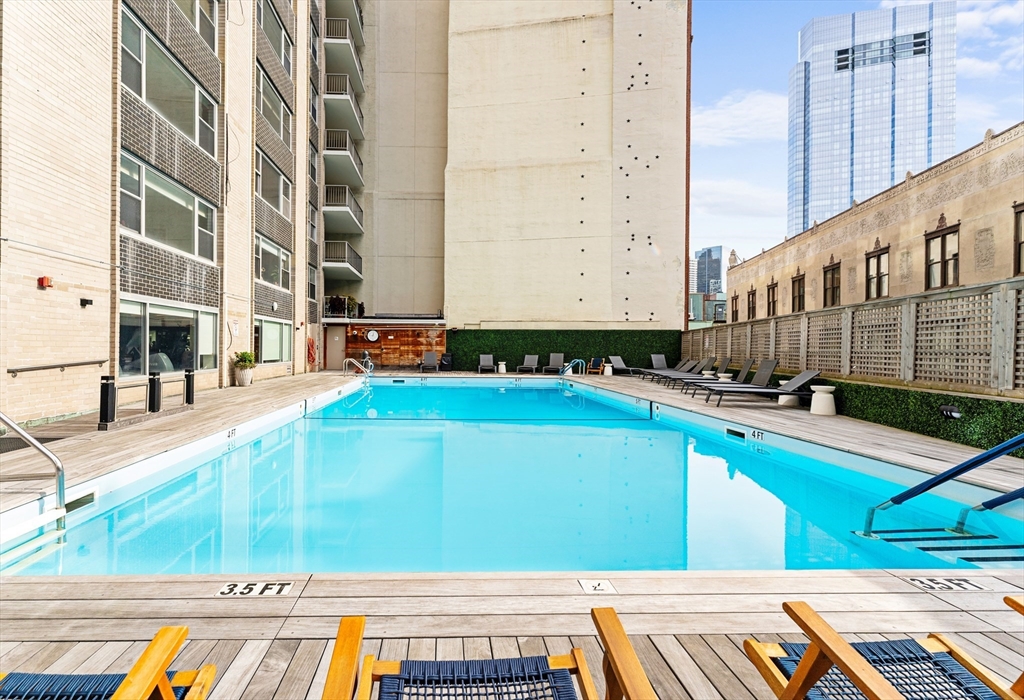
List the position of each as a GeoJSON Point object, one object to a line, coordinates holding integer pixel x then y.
{"type": "Point", "coordinates": [978, 188]}
{"type": "Point", "coordinates": [566, 178]}
{"type": "Point", "coordinates": [55, 203]}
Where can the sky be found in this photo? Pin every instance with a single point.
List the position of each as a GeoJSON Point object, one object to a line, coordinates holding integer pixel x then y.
{"type": "Point", "coordinates": [742, 53]}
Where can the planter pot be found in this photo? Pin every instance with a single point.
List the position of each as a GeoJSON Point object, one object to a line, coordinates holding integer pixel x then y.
{"type": "Point", "coordinates": [243, 377]}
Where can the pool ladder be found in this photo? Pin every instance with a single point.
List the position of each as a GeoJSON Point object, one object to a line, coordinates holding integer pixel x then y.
{"type": "Point", "coordinates": [578, 363]}
{"type": "Point", "coordinates": [53, 515]}
{"type": "Point", "coordinates": [367, 369]}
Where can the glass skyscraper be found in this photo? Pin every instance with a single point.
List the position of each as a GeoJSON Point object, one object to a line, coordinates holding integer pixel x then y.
{"type": "Point", "coordinates": [873, 95]}
{"type": "Point", "coordinates": [709, 270]}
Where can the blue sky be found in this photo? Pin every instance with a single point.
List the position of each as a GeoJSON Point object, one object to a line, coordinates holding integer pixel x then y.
{"type": "Point", "coordinates": [742, 53]}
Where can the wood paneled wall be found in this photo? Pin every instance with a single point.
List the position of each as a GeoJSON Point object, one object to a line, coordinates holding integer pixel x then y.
{"type": "Point", "coordinates": [397, 346]}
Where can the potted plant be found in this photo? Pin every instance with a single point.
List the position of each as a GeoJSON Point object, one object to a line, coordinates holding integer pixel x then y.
{"type": "Point", "coordinates": [244, 362]}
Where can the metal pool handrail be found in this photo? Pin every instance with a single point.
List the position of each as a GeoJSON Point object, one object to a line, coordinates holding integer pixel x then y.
{"type": "Point", "coordinates": [990, 504]}
{"type": "Point", "coordinates": [1007, 447]}
{"type": "Point", "coordinates": [568, 367]}
{"type": "Point", "coordinates": [367, 369]}
{"type": "Point", "coordinates": [58, 466]}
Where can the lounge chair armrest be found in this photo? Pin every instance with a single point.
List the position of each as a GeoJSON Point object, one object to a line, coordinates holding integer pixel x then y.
{"type": "Point", "coordinates": [1015, 602]}
{"type": "Point", "coordinates": [150, 671]}
{"type": "Point", "coordinates": [344, 668]}
{"type": "Point", "coordinates": [202, 683]}
{"type": "Point", "coordinates": [839, 652]}
{"type": "Point", "coordinates": [621, 664]}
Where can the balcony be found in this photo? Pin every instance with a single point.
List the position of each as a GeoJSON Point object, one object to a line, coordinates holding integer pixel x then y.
{"type": "Point", "coordinates": [339, 307]}
{"type": "Point", "coordinates": [342, 163]}
{"type": "Point", "coordinates": [341, 261]}
{"type": "Point", "coordinates": [341, 107]}
{"type": "Point", "coordinates": [342, 213]}
{"type": "Point", "coordinates": [341, 54]}
{"type": "Point", "coordinates": [350, 10]}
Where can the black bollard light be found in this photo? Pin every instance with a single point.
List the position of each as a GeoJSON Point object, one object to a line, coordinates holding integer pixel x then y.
{"type": "Point", "coordinates": [154, 392]}
{"type": "Point", "coordinates": [190, 386]}
{"type": "Point", "coordinates": [108, 399]}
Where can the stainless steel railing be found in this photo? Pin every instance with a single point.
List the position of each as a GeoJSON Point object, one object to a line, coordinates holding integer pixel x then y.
{"type": "Point", "coordinates": [58, 466]}
{"type": "Point", "coordinates": [343, 252]}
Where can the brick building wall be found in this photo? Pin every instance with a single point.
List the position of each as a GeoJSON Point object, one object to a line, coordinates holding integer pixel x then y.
{"type": "Point", "coordinates": [264, 298]}
{"type": "Point", "coordinates": [153, 271]}
{"type": "Point", "coordinates": [166, 21]}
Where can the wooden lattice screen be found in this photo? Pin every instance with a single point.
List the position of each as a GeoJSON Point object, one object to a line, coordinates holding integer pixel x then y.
{"type": "Point", "coordinates": [787, 342]}
{"type": "Point", "coordinates": [760, 340]}
{"type": "Point", "coordinates": [825, 342]}
{"type": "Point", "coordinates": [954, 340]}
{"type": "Point", "coordinates": [1018, 365]}
{"type": "Point", "coordinates": [875, 341]}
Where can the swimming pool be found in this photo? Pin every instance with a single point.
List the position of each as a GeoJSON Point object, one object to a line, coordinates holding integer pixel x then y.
{"type": "Point", "coordinates": [508, 475]}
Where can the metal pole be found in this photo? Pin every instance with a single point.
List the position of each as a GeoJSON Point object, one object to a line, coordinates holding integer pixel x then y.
{"type": "Point", "coordinates": [58, 466]}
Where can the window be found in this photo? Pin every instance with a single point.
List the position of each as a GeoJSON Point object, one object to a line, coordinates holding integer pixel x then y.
{"type": "Point", "coordinates": [314, 103]}
{"type": "Point", "coordinates": [312, 162]}
{"type": "Point", "coordinates": [735, 308]}
{"type": "Point", "coordinates": [311, 279]}
{"type": "Point", "coordinates": [312, 223]}
{"type": "Point", "coordinates": [314, 41]}
{"type": "Point", "coordinates": [202, 14]}
{"type": "Point", "coordinates": [273, 108]}
{"type": "Point", "coordinates": [751, 305]}
{"type": "Point", "coordinates": [773, 299]}
{"type": "Point", "coordinates": [942, 253]}
{"type": "Point", "coordinates": [160, 338]}
{"type": "Point", "coordinates": [273, 263]}
{"type": "Point", "coordinates": [273, 27]}
{"type": "Point", "coordinates": [272, 341]}
{"type": "Point", "coordinates": [878, 274]}
{"type": "Point", "coordinates": [831, 297]}
{"type": "Point", "coordinates": [1018, 226]}
{"type": "Point", "coordinates": [272, 186]}
{"type": "Point", "coordinates": [798, 293]}
{"type": "Point", "coordinates": [151, 73]}
{"type": "Point", "coordinates": [163, 211]}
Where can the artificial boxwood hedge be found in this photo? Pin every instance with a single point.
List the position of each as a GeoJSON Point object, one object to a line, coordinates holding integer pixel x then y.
{"type": "Point", "coordinates": [984, 423]}
{"type": "Point", "coordinates": [511, 346]}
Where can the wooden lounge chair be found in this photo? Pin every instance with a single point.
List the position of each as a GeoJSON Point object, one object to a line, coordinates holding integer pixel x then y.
{"type": "Point", "coordinates": [830, 667]}
{"type": "Point", "coordinates": [794, 387]}
{"type": "Point", "coordinates": [555, 362]}
{"type": "Point", "coordinates": [596, 365]}
{"type": "Point", "coordinates": [531, 677]}
{"type": "Point", "coordinates": [486, 363]}
{"type": "Point", "coordinates": [529, 364]}
{"type": "Point", "coordinates": [148, 678]}
{"type": "Point", "coordinates": [618, 366]}
{"type": "Point", "coordinates": [429, 362]}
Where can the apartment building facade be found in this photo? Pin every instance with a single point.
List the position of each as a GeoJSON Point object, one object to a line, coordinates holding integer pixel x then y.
{"type": "Point", "coordinates": [186, 179]}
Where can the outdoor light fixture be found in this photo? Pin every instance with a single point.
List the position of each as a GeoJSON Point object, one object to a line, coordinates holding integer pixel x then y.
{"type": "Point", "coordinates": [85, 302]}
{"type": "Point", "coordinates": [950, 412]}
{"type": "Point", "coordinates": [44, 282]}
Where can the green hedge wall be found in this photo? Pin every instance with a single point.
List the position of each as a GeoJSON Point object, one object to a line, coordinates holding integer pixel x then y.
{"type": "Point", "coordinates": [984, 423]}
{"type": "Point", "coordinates": [635, 347]}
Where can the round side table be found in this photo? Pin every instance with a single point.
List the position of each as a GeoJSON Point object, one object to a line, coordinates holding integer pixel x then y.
{"type": "Point", "coordinates": [823, 403]}
{"type": "Point", "coordinates": [788, 400]}
{"type": "Point", "coordinates": [725, 377]}
{"type": "Point", "coordinates": [501, 367]}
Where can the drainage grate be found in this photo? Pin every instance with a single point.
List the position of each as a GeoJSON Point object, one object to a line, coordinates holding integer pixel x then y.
{"type": "Point", "coordinates": [10, 444]}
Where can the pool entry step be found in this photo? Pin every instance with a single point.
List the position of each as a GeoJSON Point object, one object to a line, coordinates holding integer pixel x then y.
{"type": "Point", "coordinates": [952, 546]}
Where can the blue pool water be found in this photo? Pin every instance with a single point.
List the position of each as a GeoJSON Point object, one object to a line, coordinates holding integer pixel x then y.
{"type": "Point", "coordinates": [423, 478]}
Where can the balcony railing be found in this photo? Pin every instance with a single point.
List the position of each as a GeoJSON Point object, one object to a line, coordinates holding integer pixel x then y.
{"type": "Point", "coordinates": [340, 140]}
{"type": "Point", "coordinates": [339, 84]}
{"type": "Point", "coordinates": [339, 307]}
{"type": "Point", "coordinates": [337, 28]}
{"type": "Point", "coordinates": [341, 196]}
{"type": "Point", "coordinates": [342, 252]}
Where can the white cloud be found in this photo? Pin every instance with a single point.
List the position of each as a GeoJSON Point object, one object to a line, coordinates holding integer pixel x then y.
{"type": "Point", "coordinates": [741, 116]}
{"type": "Point", "coordinates": [984, 18]}
{"type": "Point", "coordinates": [737, 198]}
{"type": "Point", "coordinates": [970, 67]}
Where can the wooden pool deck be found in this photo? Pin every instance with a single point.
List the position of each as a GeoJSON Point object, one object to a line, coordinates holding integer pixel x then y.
{"type": "Point", "coordinates": [687, 627]}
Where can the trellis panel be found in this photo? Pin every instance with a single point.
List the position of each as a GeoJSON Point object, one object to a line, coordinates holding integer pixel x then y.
{"type": "Point", "coordinates": [1018, 365]}
{"type": "Point", "coordinates": [875, 341]}
{"type": "Point", "coordinates": [954, 340]}
{"type": "Point", "coordinates": [787, 342]}
{"type": "Point", "coordinates": [825, 343]}
{"type": "Point", "coordinates": [760, 340]}
{"type": "Point", "coordinates": [721, 341]}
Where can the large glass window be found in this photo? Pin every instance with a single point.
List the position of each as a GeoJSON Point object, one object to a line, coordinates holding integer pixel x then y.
{"type": "Point", "coordinates": [151, 73]}
{"type": "Point", "coordinates": [273, 27]}
{"type": "Point", "coordinates": [314, 102]}
{"type": "Point", "coordinates": [878, 274]}
{"type": "Point", "coordinates": [943, 259]}
{"type": "Point", "coordinates": [798, 294]}
{"type": "Point", "coordinates": [312, 282]}
{"type": "Point", "coordinates": [273, 263]}
{"type": "Point", "coordinates": [314, 41]}
{"type": "Point", "coordinates": [165, 212]}
{"type": "Point", "coordinates": [735, 308]}
{"type": "Point", "coordinates": [272, 186]}
{"type": "Point", "coordinates": [1018, 229]}
{"type": "Point", "coordinates": [773, 299]}
{"type": "Point", "coordinates": [273, 108]}
{"type": "Point", "coordinates": [312, 223]}
{"type": "Point", "coordinates": [130, 334]}
{"type": "Point", "coordinates": [158, 338]}
{"type": "Point", "coordinates": [751, 305]}
{"type": "Point", "coordinates": [272, 341]}
{"type": "Point", "coordinates": [202, 14]}
{"type": "Point", "coordinates": [312, 162]}
{"type": "Point", "coordinates": [831, 297]}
